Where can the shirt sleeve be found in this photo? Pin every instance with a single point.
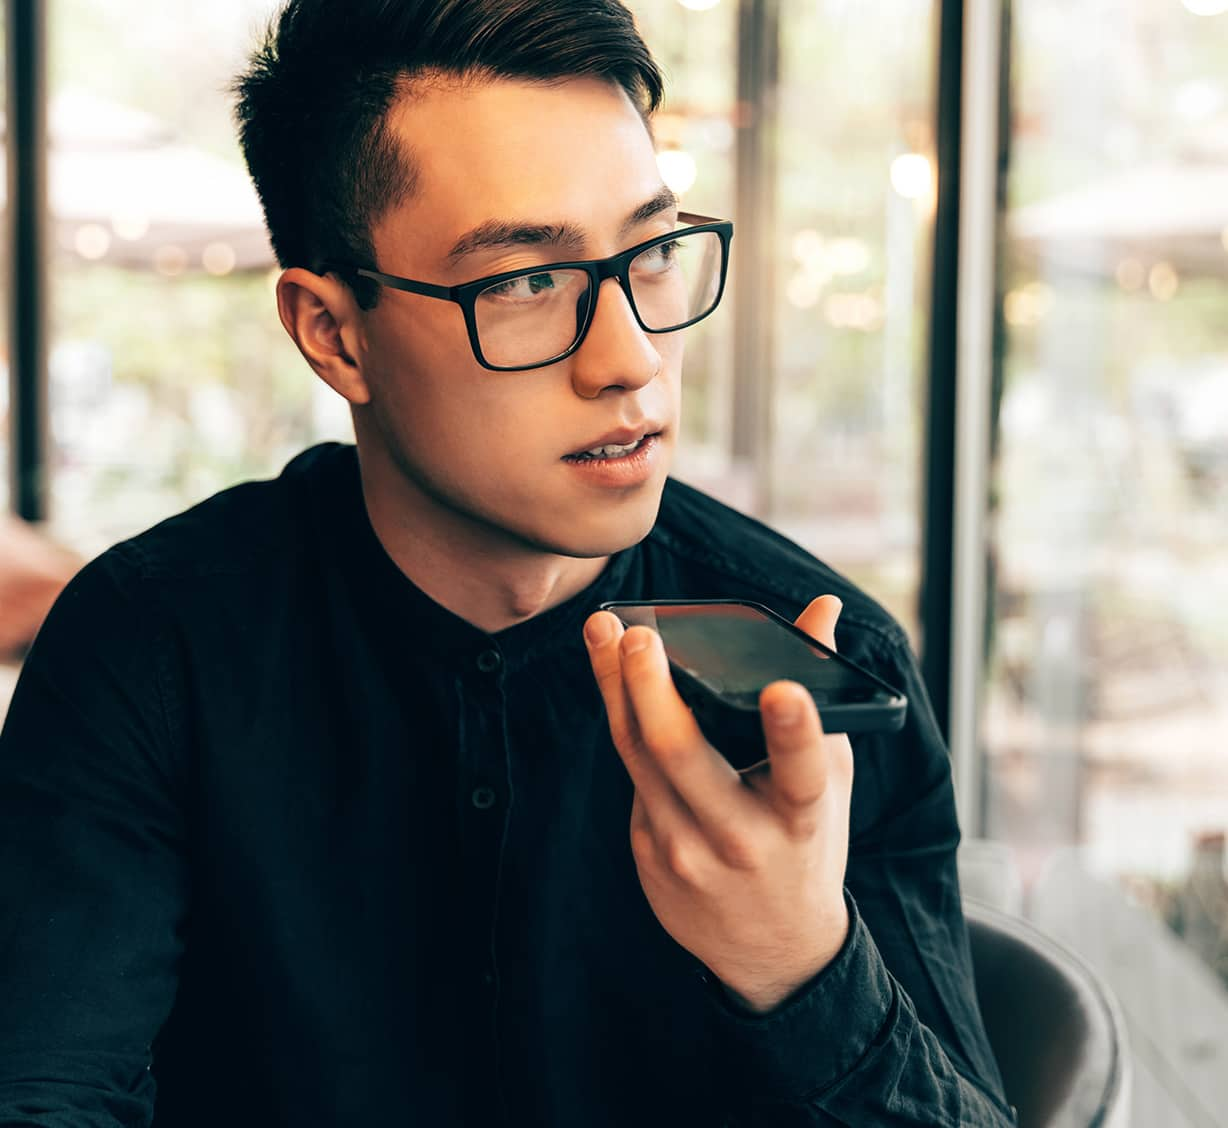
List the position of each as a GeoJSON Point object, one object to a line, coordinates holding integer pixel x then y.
{"type": "Point", "coordinates": [890, 1031]}
{"type": "Point", "coordinates": [92, 871]}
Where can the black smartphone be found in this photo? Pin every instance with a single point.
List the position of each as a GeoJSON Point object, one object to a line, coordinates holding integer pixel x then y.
{"type": "Point", "coordinates": [722, 652]}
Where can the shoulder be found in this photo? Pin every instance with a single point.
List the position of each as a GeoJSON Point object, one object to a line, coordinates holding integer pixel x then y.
{"type": "Point", "coordinates": [225, 557]}
{"type": "Point", "coordinates": [207, 574]}
{"type": "Point", "coordinates": [707, 549]}
{"type": "Point", "coordinates": [238, 529]}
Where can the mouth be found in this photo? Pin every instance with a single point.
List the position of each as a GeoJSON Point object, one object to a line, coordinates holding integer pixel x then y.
{"type": "Point", "coordinates": [621, 444]}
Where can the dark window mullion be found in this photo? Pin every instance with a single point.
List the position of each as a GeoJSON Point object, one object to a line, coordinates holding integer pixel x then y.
{"type": "Point", "coordinates": [938, 517]}
{"type": "Point", "coordinates": [26, 243]}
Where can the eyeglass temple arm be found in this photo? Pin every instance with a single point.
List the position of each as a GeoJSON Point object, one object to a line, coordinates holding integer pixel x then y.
{"type": "Point", "coordinates": [694, 220]}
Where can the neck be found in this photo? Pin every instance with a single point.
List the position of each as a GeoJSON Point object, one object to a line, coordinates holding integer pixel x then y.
{"type": "Point", "coordinates": [480, 573]}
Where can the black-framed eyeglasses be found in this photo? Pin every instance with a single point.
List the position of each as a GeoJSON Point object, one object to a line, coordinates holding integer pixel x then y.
{"type": "Point", "coordinates": [529, 318]}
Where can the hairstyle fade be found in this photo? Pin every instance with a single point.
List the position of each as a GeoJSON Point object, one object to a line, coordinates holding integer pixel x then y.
{"type": "Point", "coordinates": [312, 106]}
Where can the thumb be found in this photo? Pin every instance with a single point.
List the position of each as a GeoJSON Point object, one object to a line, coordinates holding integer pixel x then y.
{"type": "Point", "coordinates": [819, 619]}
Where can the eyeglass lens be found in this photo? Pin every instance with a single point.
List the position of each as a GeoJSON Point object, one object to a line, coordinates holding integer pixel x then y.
{"type": "Point", "coordinates": [535, 317]}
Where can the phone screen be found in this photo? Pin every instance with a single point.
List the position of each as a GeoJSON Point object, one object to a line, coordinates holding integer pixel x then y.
{"type": "Point", "coordinates": [736, 650]}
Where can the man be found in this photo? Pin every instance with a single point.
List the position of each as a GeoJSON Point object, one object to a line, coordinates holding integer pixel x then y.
{"type": "Point", "coordinates": [336, 802]}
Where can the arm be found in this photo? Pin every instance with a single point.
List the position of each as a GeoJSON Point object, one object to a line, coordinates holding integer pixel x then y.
{"type": "Point", "coordinates": [92, 882]}
{"type": "Point", "coordinates": [816, 1023]}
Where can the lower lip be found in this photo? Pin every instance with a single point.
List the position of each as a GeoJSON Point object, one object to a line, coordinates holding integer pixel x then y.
{"type": "Point", "coordinates": [631, 469]}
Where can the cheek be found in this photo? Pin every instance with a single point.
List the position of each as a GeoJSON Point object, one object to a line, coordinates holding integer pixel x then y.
{"type": "Point", "coordinates": [456, 421]}
{"type": "Point", "coordinates": [672, 349]}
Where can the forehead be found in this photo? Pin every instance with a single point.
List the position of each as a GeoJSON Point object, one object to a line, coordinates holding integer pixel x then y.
{"type": "Point", "coordinates": [575, 152]}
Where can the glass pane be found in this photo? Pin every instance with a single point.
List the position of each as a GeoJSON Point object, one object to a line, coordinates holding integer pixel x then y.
{"type": "Point", "coordinates": [849, 256]}
{"type": "Point", "coordinates": [676, 282]}
{"type": "Point", "coordinates": [694, 130]}
{"type": "Point", "coordinates": [171, 376]}
{"type": "Point", "coordinates": [154, 408]}
{"type": "Point", "coordinates": [855, 208]}
{"type": "Point", "coordinates": [1107, 711]}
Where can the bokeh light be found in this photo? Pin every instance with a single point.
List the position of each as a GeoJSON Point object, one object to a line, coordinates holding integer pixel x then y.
{"type": "Point", "coordinates": [678, 169]}
{"type": "Point", "coordinates": [170, 261]}
{"type": "Point", "coordinates": [218, 259]}
{"type": "Point", "coordinates": [92, 241]}
{"type": "Point", "coordinates": [1163, 281]}
{"type": "Point", "coordinates": [911, 175]}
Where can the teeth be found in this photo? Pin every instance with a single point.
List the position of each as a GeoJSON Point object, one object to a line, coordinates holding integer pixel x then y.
{"type": "Point", "coordinates": [610, 451]}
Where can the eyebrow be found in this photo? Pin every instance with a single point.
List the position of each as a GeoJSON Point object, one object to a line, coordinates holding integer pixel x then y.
{"type": "Point", "coordinates": [510, 233]}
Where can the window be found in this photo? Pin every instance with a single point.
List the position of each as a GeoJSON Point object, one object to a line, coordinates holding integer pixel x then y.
{"type": "Point", "coordinates": [826, 153]}
{"type": "Point", "coordinates": [1107, 711]}
{"type": "Point", "coordinates": [170, 374]}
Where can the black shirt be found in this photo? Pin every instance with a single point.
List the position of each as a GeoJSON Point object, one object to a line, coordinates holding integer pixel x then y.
{"type": "Point", "coordinates": [283, 841]}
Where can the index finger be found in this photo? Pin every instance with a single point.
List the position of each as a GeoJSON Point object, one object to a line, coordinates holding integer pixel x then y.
{"type": "Point", "coordinates": [701, 776]}
{"type": "Point", "coordinates": [602, 634]}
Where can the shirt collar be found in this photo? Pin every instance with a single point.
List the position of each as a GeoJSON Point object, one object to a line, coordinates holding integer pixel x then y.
{"type": "Point", "coordinates": [397, 604]}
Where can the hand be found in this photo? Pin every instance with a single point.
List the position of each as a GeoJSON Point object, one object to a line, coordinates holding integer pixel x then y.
{"type": "Point", "coordinates": [745, 871]}
{"type": "Point", "coordinates": [33, 572]}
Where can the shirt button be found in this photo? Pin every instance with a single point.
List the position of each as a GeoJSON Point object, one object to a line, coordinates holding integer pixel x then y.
{"type": "Point", "coordinates": [488, 978]}
{"type": "Point", "coordinates": [483, 798]}
{"type": "Point", "coordinates": [489, 661]}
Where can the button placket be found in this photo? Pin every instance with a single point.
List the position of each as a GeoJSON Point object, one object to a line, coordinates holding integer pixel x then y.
{"type": "Point", "coordinates": [484, 797]}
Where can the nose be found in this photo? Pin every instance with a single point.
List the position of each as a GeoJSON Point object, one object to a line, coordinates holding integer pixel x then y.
{"type": "Point", "coordinates": [616, 353]}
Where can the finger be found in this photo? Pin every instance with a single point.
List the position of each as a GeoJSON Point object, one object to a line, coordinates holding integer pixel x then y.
{"type": "Point", "coordinates": [795, 743]}
{"type": "Point", "coordinates": [819, 619]}
{"type": "Point", "coordinates": [603, 633]}
{"type": "Point", "coordinates": [703, 779]}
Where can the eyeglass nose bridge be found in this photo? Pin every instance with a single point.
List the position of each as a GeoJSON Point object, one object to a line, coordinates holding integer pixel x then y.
{"type": "Point", "coordinates": [618, 268]}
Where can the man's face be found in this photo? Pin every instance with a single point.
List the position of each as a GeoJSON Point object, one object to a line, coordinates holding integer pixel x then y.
{"type": "Point", "coordinates": [490, 449]}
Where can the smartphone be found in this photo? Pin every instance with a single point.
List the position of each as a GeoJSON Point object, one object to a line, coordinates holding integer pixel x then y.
{"type": "Point", "coordinates": [722, 652]}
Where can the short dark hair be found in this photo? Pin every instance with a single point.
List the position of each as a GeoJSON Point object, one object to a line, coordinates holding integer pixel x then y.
{"type": "Point", "coordinates": [312, 105]}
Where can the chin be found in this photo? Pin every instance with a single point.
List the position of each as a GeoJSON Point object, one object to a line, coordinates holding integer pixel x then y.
{"type": "Point", "coordinates": [604, 534]}
{"type": "Point", "coordinates": [598, 532]}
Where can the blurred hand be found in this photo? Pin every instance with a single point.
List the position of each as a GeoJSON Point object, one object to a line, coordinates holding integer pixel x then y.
{"type": "Point", "coordinates": [745, 871]}
{"type": "Point", "coordinates": [33, 572]}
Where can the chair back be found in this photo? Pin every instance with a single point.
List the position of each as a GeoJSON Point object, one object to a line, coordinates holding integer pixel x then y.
{"type": "Point", "coordinates": [1053, 1024]}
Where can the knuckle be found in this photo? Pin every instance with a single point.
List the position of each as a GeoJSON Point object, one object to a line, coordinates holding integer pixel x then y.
{"type": "Point", "coordinates": [670, 747]}
{"type": "Point", "coordinates": [802, 797]}
{"type": "Point", "coordinates": [682, 859]}
{"type": "Point", "coordinates": [643, 845]}
{"type": "Point", "coordinates": [802, 827]}
{"type": "Point", "coordinates": [740, 853]}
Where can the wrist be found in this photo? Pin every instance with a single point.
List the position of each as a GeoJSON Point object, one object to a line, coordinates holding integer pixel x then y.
{"type": "Point", "coordinates": [761, 994]}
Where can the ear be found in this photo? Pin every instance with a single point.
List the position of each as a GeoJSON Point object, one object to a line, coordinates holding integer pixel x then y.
{"type": "Point", "coordinates": [324, 320]}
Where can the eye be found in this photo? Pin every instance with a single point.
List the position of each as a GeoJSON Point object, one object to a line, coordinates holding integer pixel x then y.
{"type": "Point", "coordinates": [523, 288]}
{"type": "Point", "coordinates": [657, 259]}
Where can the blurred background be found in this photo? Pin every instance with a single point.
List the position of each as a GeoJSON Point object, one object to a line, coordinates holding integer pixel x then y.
{"type": "Point", "coordinates": [974, 355]}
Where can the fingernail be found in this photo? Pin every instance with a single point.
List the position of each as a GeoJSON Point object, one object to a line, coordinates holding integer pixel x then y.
{"type": "Point", "coordinates": [784, 711]}
{"type": "Point", "coordinates": [598, 630]}
{"type": "Point", "coordinates": [636, 641]}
